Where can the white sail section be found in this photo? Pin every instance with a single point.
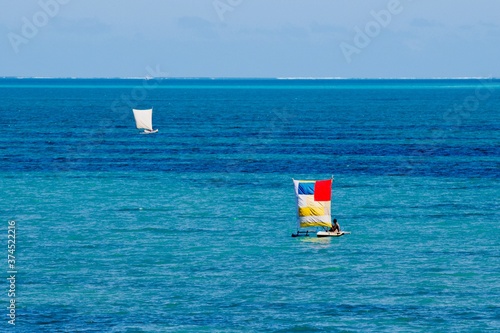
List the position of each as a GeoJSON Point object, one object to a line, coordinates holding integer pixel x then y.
{"type": "Point", "coordinates": [144, 119]}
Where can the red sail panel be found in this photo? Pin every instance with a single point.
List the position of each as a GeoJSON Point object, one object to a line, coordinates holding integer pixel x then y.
{"type": "Point", "coordinates": [323, 190]}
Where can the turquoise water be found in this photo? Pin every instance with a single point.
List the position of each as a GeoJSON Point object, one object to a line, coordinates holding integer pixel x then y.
{"type": "Point", "coordinates": [188, 230]}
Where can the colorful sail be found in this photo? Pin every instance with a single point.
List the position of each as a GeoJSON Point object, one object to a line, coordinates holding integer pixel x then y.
{"type": "Point", "coordinates": [313, 203]}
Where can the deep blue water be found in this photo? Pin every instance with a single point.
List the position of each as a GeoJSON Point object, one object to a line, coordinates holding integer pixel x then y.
{"type": "Point", "coordinates": [188, 230]}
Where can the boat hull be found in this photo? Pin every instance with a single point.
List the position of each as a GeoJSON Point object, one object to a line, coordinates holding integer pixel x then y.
{"type": "Point", "coordinates": [330, 234]}
{"type": "Point", "coordinates": [149, 132]}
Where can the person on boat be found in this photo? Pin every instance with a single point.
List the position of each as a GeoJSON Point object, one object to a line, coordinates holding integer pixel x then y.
{"type": "Point", "coordinates": [335, 226]}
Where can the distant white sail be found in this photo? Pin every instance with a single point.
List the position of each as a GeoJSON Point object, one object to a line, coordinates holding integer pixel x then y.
{"type": "Point", "coordinates": [144, 119]}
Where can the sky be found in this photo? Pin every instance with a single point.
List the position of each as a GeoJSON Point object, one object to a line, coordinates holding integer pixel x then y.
{"type": "Point", "coordinates": [250, 38]}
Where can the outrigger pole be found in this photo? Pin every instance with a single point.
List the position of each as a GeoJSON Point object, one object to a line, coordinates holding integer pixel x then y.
{"type": "Point", "coordinates": [303, 233]}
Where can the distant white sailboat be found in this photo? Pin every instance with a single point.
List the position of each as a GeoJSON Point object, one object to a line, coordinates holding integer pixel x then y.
{"type": "Point", "coordinates": [144, 120]}
{"type": "Point", "coordinates": [314, 208]}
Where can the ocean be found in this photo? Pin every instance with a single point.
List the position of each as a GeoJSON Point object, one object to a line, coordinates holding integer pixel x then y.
{"type": "Point", "coordinates": [189, 229]}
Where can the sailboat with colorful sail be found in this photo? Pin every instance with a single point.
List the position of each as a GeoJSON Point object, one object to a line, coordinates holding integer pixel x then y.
{"type": "Point", "coordinates": [314, 198]}
{"type": "Point", "coordinates": [144, 120]}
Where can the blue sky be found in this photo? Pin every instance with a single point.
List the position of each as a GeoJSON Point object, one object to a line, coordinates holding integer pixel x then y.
{"type": "Point", "coordinates": [250, 38]}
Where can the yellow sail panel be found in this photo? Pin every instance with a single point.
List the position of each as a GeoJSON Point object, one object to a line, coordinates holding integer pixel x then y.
{"type": "Point", "coordinates": [312, 221]}
{"type": "Point", "coordinates": [313, 203]}
{"type": "Point", "coordinates": [311, 211]}
{"type": "Point", "coordinates": [315, 224]}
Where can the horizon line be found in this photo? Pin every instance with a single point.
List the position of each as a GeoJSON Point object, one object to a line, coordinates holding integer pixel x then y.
{"type": "Point", "coordinates": [247, 78]}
